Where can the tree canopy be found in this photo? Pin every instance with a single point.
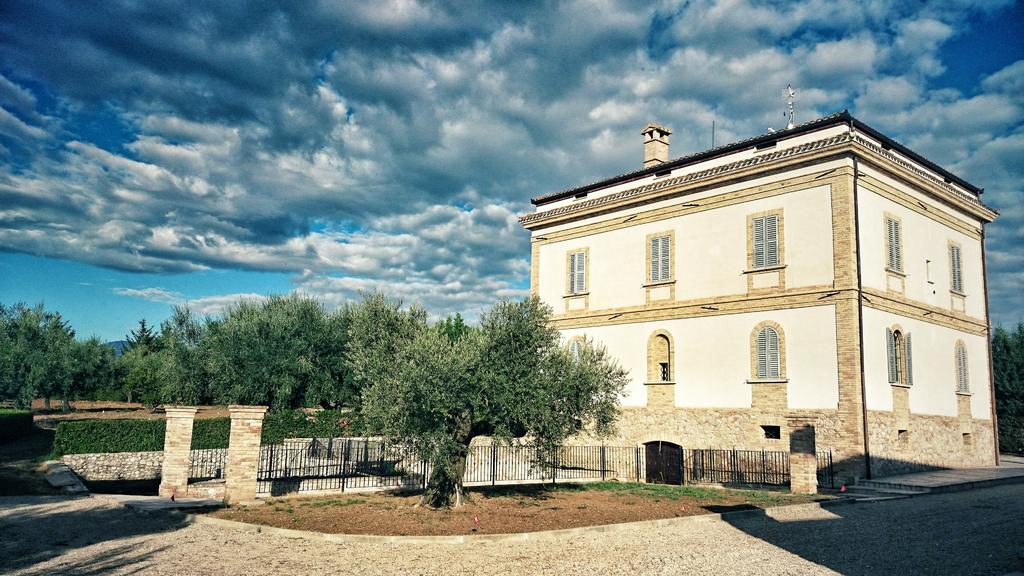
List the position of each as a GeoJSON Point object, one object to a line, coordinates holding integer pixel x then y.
{"type": "Point", "coordinates": [508, 379]}
{"type": "Point", "coordinates": [1008, 376]}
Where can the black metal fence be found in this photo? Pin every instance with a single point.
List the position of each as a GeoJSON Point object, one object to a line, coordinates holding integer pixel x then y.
{"type": "Point", "coordinates": [341, 464]}
{"type": "Point", "coordinates": [336, 464]}
{"type": "Point", "coordinates": [207, 464]}
{"type": "Point", "coordinates": [761, 467]}
{"type": "Point", "coordinates": [500, 464]}
{"type": "Point", "coordinates": [826, 474]}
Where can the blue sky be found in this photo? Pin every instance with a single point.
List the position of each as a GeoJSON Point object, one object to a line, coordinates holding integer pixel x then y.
{"type": "Point", "coordinates": [161, 153]}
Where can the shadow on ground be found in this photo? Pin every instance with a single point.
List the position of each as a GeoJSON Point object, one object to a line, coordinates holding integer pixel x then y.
{"type": "Point", "coordinates": [36, 529]}
{"type": "Point", "coordinates": [975, 532]}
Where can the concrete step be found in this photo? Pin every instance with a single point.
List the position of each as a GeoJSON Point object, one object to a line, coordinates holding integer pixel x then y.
{"type": "Point", "coordinates": [895, 487]}
{"type": "Point", "coordinates": [863, 493]}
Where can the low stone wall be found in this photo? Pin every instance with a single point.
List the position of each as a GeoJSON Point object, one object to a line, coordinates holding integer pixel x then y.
{"type": "Point", "coordinates": [116, 465]}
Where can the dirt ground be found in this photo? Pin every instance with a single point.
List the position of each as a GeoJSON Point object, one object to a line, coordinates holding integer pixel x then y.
{"type": "Point", "coordinates": [504, 510]}
{"type": "Point", "coordinates": [89, 536]}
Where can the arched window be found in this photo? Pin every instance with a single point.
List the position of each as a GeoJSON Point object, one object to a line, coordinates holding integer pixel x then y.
{"type": "Point", "coordinates": [659, 358]}
{"type": "Point", "coordinates": [901, 365]}
{"type": "Point", "coordinates": [576, 350]}
{"type": "Point", "coordinates": [768, 356]}
{"type": "Point", "coordinates": [962, 383]}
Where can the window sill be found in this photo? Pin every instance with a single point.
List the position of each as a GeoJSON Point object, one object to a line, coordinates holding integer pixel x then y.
{"type": "Point", "coordinates": [895, 272]}
{"type": "Point", "coordinates": [768, 381]}
{"type": "Point", "coordinates": [765, 269]}
{"type": "Point", "coordinates": [958, 293]}
{"type": "Point", "coordinates": [898, 385]}
{"type": "Point", "coordinates": [968, 394]}
{"type": "Point", "coordinates": [576, 295]}
{"type": "Point", "coordinates": [660, 383]}
{"type": "Point", "coordinates": [659, 283]}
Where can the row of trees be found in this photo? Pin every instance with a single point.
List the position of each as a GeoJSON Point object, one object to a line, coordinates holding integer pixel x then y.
{"type": "Point", "coordinates": [1008, 374]}
{"type": "Point", "coordinates": [433, 387]}
{"type": "Point", "coordinates": [40, 357]}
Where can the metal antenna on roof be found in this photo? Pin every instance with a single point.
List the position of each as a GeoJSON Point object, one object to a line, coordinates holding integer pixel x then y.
{"type": "Point", "coordinates": [790, 96]}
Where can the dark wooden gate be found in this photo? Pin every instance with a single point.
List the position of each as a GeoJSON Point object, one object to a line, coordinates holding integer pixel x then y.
{"type": "Point", "coordinates": [664, 462]}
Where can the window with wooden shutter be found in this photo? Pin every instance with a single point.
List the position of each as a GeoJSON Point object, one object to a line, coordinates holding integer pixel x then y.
{"type": "Point", "coordinates": [577, 272]}
{"type": "Point", "coordinates": [893, 244]}
{"type": "Point", "coordinates": [768, 353]}
{"type": "Point", "coordinates": [898, 352]}
{"type": "Point", "coordinates": [956, 271]}
{"type": "Point", "coordinates": [661, 258]}
{"type": "Point", "coordinates": [962, 383]}
{"type": "Point", "coordinates": [765, 239]}
{"type": "Point", "coordinates": [909, 378]}
{"type": "Point", "coordinates": [890, 344]}
{"type": "Point", "coordinates": [771, 240]}
{"type": "Point", "coordinates": [576, 350]}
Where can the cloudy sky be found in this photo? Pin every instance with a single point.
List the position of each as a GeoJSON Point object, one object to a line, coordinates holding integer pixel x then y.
{"type": "Point", "coordinates": [165, 152]}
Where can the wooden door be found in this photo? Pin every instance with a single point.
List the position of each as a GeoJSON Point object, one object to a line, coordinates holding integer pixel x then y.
{"type": "Point", "coordinates": [664, 462]}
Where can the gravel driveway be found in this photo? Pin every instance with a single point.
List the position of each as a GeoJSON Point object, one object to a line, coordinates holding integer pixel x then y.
{"type": "Point", "coordinates": [979, 532]}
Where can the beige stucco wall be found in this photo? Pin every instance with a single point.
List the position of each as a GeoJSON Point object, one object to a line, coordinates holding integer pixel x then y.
{"type": "Point", "coordinates": [712, 357]}
{"type": "Point", "coordinates": [925, 249]}
{"type": "Point", "coordinates": [934, 383]}
{"type": "Point", "coordinates": [710, 252]}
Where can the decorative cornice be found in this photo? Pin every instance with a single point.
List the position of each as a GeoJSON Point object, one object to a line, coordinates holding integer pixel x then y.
{"type": "Point", "coordinates": [654, 189]}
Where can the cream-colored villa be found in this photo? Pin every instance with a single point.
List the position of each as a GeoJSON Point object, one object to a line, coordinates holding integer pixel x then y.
{"type": "Point", "coordinates": [823, 270]}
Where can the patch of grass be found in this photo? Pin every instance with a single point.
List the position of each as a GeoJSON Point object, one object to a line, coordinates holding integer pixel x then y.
{"type": "Point", "coordinates": [652, 491]}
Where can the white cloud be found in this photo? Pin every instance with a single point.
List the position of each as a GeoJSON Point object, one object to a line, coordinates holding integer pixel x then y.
{"type": "Point", "coordinates": [391, 145]}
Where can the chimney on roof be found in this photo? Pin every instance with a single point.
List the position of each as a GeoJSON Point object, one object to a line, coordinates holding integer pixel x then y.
{"type": "Point", "coordinates": [655, 144]}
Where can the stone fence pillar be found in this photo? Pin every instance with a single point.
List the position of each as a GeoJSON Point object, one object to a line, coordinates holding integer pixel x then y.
{"type": "Point", "coordinates": [177, 450]}
{"type": "Point", "coordinates": [803, 456]}
{"type": "Point", "coordinates": [243, 453]}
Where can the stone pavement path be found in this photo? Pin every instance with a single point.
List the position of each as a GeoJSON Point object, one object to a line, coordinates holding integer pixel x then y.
{"type": "Point", "coordinates": [1011, 470]}
{"type": "Point", "coordinates": [976, 532]}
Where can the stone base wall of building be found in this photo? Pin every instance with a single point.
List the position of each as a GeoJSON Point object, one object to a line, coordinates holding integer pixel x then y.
{"type": "Point", "coordinates": [927, 442]}
{"type": "Point", "coordinates": [116, 466]}
{"type": "Point", "coordinates": [715, 428]}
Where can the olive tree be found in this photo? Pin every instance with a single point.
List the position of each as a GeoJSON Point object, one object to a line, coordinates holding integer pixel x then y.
{"type": "Point", "coordinates": [510, 378]}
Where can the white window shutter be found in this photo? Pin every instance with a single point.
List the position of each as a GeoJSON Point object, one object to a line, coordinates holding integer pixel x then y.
{"type": "Point", "coordinates": [890, 341]}
{"type": "Point", "coordinates": [954, 256]}
{"type": "Point", "coordinates": [572, 273]}
{"type": "Point", "coordinates": [762, 353]}
{"type": "Point", "coordinates": [581, 272]}
{"type": "Point", "coordinates": [758, 233]}
{"type": "Point", "coordinates": [961, 370]}
{"type": "Point", "coordinates": [910, 362]}
{"type": "Point", "coordinates": [655, 262]}
{"type": "Point", "coordinates": [771, 240]}
{"type": "Point", "coordinates": [773, 353]}
{"type": "Point", "coordinates": [666, 258]}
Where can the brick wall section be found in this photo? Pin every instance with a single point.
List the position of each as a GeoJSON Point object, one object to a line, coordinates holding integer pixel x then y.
{"type": "Point", "coordinates": [803, 462]}
{"type": "Point", "coordinates": [848, 450]}
{"type": "Point", "coordinates": [769, 396]}
{"type": "Point", "coordinates": [243, 453]}
{"type": "Point", "coordinates": [177, 451]}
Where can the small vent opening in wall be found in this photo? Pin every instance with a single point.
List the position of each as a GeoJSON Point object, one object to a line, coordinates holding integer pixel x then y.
{"type": "Point", "coordinates": [968, 441]}
{"type": "Point", "coordinates": [772, 432]}
{"type": "Point", "coordinates": [902, 437]}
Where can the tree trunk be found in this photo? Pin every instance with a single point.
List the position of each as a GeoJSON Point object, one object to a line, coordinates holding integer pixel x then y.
{"type": "Point", "coordinates": [65, 405]}
{"type": "Point", "coordinates": [444, 489]}
{"type": "Point", "coordinates": [46, 403]}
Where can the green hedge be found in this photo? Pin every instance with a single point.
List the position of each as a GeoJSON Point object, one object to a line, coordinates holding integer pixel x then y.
{"type": "Point", "coordinates": [14, 424]}
{"type": "Point", "coordinates": [98, 436]}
